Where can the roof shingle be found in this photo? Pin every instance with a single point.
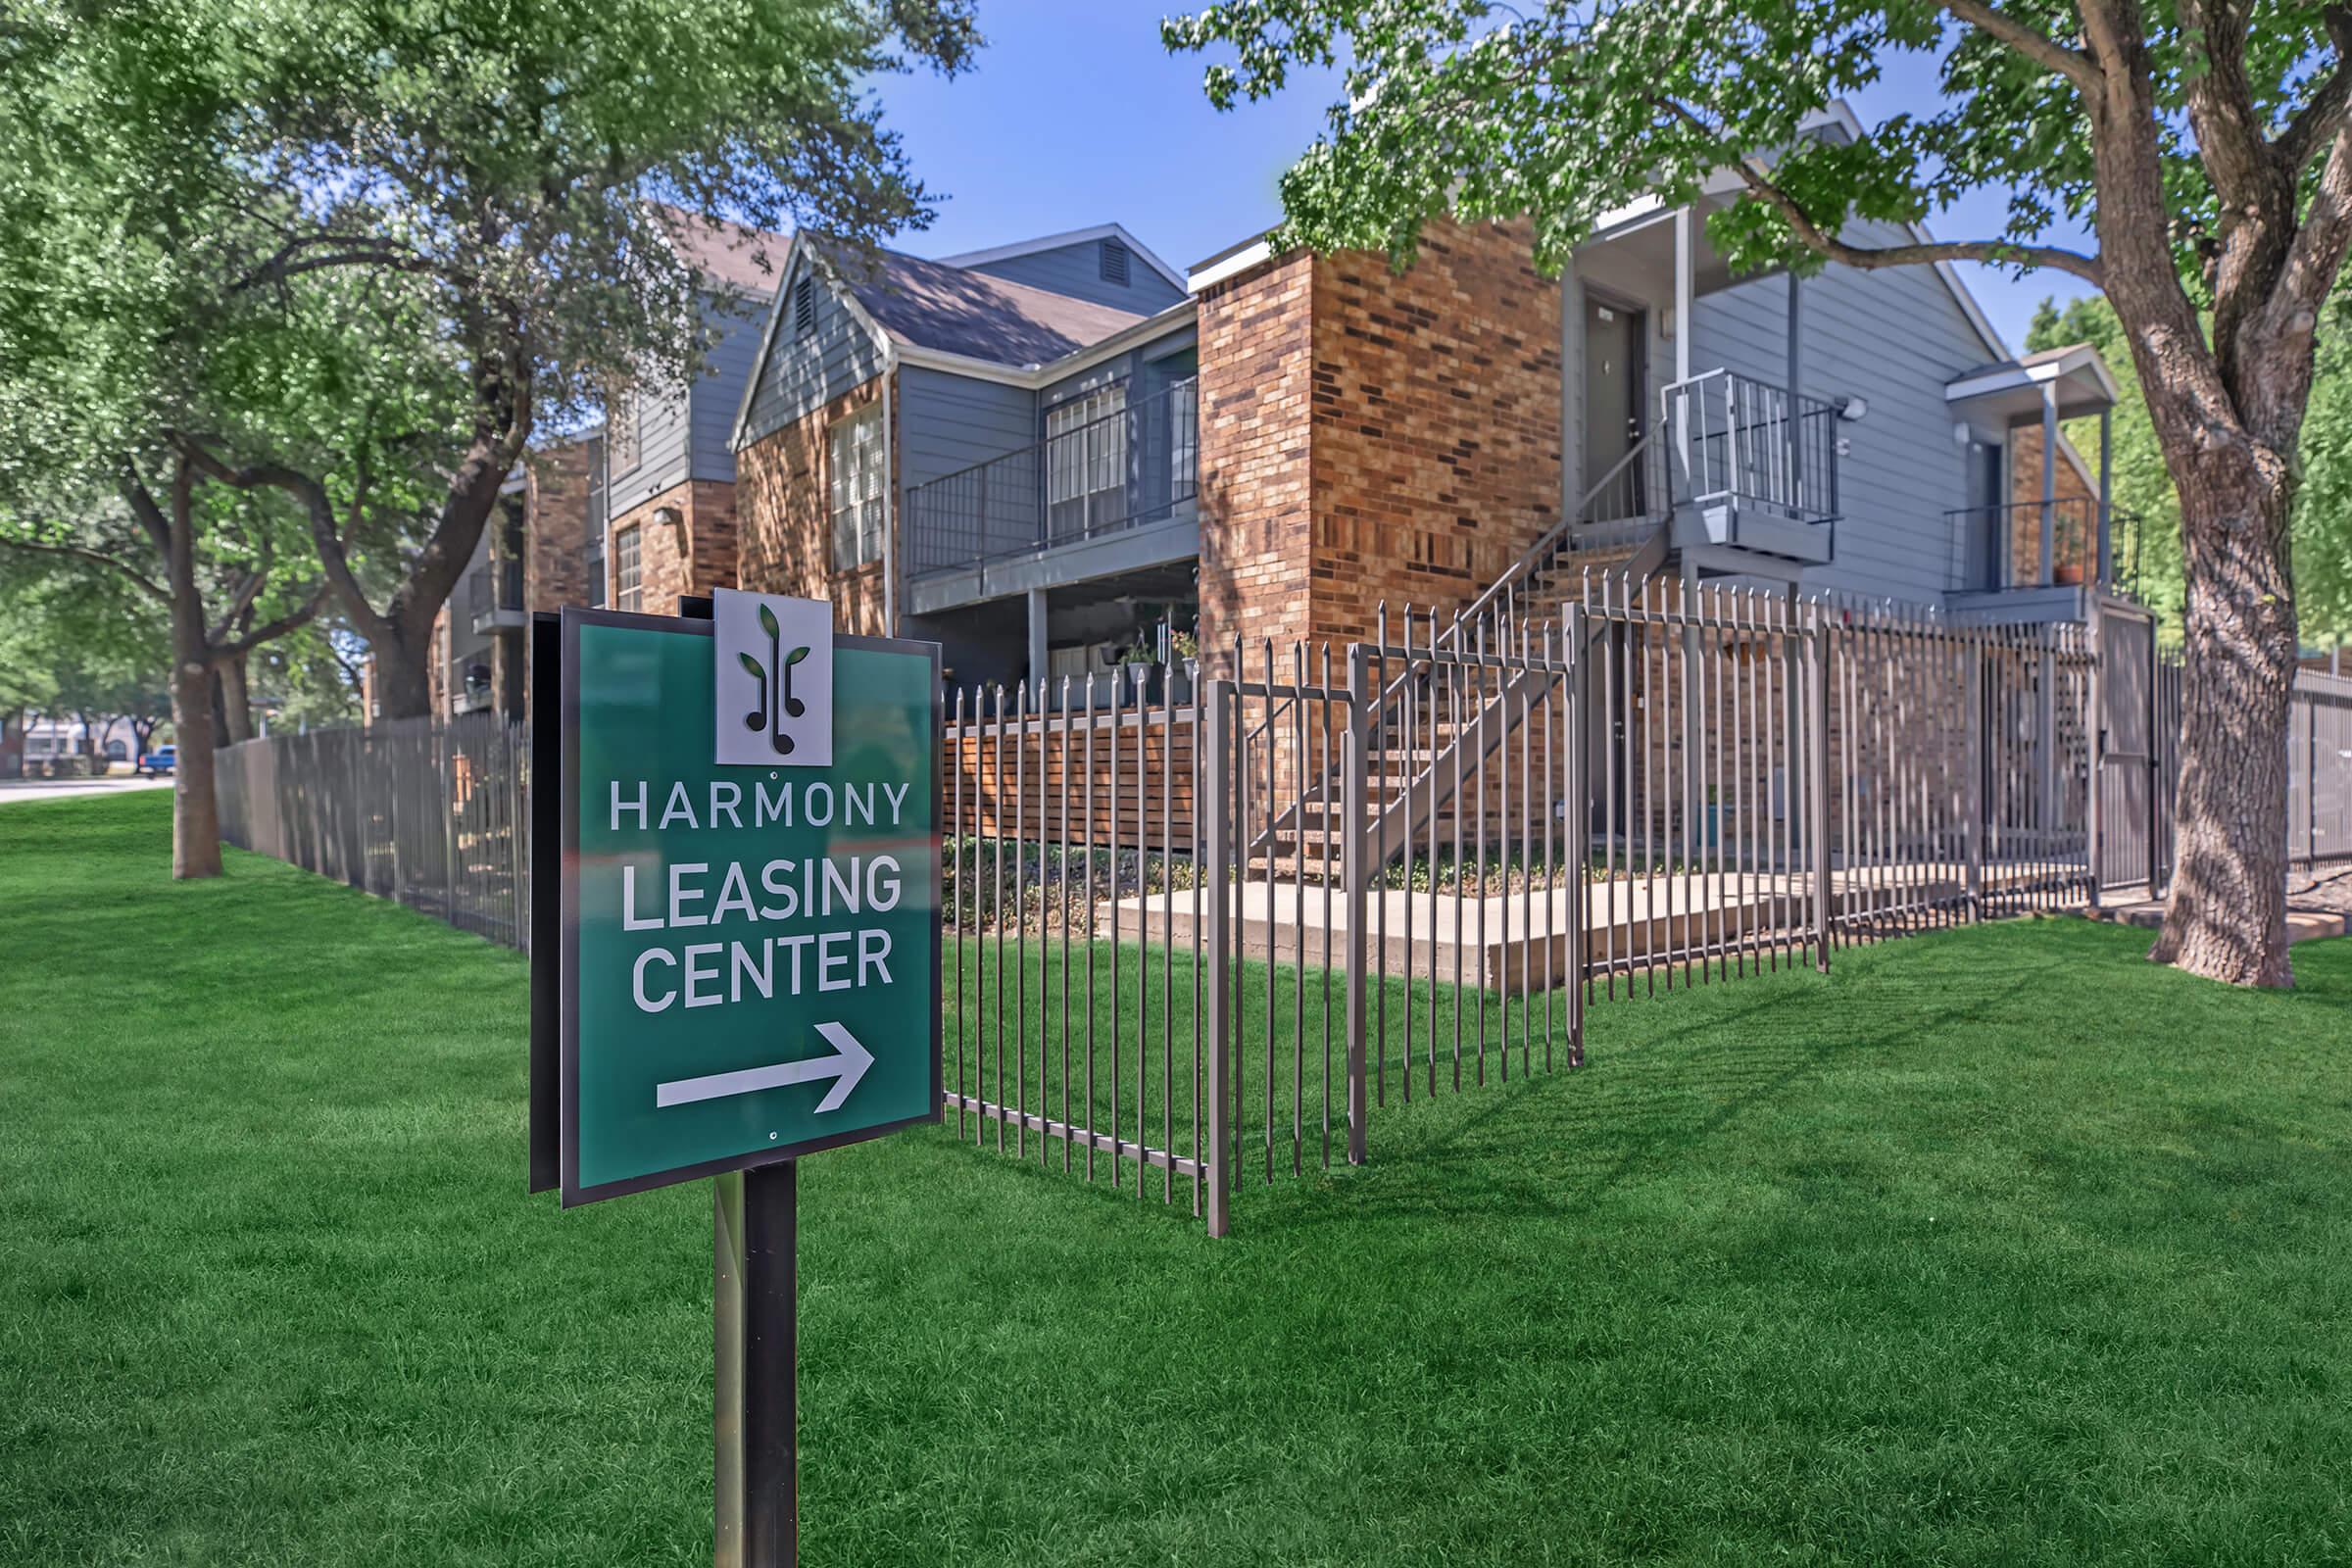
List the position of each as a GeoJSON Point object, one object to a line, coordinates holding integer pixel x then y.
{"type": "Point", "coordinates": [955, 311]}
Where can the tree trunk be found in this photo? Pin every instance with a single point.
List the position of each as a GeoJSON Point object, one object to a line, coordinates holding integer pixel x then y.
{"type": "Point", "coordinates": [195, 807]}
{"type": "Point", "coordinates": [237, 701]}
{"type": "Point", "coordinates": [2226, 916]}
{"type": "Point", "coordinates": [403, 676]}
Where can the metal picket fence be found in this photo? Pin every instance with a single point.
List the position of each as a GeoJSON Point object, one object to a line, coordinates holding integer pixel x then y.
{"type": "Point", "coordinates": [428, 813]}
{"type": "Point", "coordinates": [1206, 920]}
{"type": "Point", "coordinates": [1211, 932]}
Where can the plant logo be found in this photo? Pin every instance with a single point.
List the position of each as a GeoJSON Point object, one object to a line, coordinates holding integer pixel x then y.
{"type": "Point", "coordinates": [773, 676]}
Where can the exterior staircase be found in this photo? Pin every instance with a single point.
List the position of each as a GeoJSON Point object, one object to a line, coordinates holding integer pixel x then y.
{"type": "Point", "coordinates": [1620, 528]}
{"type": "Point", "coordinates": [1733, 467]}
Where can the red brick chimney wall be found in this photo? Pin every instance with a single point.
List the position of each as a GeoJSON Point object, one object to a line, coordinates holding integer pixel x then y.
{"type": "Point", "coordinates": [1371, 436]}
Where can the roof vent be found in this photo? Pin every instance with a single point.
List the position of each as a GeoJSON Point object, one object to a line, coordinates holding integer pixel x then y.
{"type": "Point", "coordinates": [1114, 262]}
{"type": "Point", "coordinates": [803, 308]}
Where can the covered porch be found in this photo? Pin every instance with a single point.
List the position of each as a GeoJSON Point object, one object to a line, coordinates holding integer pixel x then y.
{"type": "Point", "coordinates": [1094, 633]}
{"type": "Point", "coordinates": [1740, 469]}
{"type": "Point", "coordinates": [2040, 543]}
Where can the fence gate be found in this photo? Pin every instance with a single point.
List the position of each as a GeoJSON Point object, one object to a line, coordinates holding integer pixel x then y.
{"type": "Point", "coordinates": [2127, 812]}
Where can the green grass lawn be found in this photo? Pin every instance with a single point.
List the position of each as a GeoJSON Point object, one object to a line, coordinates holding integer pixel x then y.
{"type": "Point", "coordinates": [1993, 1246]}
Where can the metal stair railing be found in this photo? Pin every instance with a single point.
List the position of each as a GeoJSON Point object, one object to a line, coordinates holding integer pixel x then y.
{"type": "Point", "coordinates": [1636, 478]}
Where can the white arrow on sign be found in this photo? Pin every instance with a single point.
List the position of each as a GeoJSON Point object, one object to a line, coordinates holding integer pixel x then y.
{"type": "Point", "coordinates": [845, 1066]}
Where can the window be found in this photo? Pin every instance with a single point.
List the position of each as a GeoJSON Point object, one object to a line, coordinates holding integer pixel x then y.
{"type": "Point", "coordinates": [1114, 262]}
{"type": "Point", "coordinates": [1086, 462]}
{"type": "Point", "coordinates": [855, 471]}
{"type": "Point", "coordinates": [628, 581]}
{"type": "Point", "coordinates": [803, 308]}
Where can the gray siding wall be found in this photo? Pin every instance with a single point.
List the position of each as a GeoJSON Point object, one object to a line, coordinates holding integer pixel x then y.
{"type": "Point", "coordinates": [662, 423]}
{"type": "Point", "coordinates": [803, 374]}
{"type": "Point", "coordinates": [1077, 270]}
{"type": "Point", "coordinates": [1147, 371]}
{"type": "Point", "coordinates": [719, 391]}
{"type": "Point", "coordinates": [948, 422]}
{"type": "Point", "coordinates": [1894, 336]}
{"type": "Point", "coordinates": [684, 431]}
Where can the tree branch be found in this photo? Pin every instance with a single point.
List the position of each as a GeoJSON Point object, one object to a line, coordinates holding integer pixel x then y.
{"type": "Point", "coordinates": [502, 429]}
{"type": "Point", "coordinates": [2246, 177]}
{"type": "Point", "coordinates": [144, 583]}
{"type": "Point", "coordinates": [292, 621]}
{"type": "Point", "coordinates": [2044, 51]}
{"type": "Point", "coordinates": [1996, 253]}
{"type": "Point", "coordinates": [141, 501]}
{"type": "Point", "coordinates": [316, 506]}
{"type": "Point", "coordinates": [301, 255]}
{"type": "Point", "coordinates": [2290, 313]}
{"type": "Point", "coordinates": [247, 592]}
{"type": "Point", "coordinates": [2316, 123]}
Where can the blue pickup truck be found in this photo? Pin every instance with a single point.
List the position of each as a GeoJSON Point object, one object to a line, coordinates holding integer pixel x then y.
{"type": "Point", "coordinates": [159, 762]}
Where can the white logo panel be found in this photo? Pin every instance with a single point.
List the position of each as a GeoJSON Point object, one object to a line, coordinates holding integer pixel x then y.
{"type": "Point", "coordinates": [773, 679]}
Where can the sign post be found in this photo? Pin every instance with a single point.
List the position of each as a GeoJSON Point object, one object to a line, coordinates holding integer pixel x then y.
{"type": "Point", "coordinates": [747, 960]}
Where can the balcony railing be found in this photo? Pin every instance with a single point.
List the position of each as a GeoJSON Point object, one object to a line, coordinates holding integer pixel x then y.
{"type": "Point", "coordinates": [469, 681]}
{"type": "Point", "coordinates": [494, 595]}
{"type": "Point", "coordinates": [1133, 466]}
{"type": "Point", "coordinates": [1750, 443]}
{"type": "Point", "coordinates": [1999, 547]}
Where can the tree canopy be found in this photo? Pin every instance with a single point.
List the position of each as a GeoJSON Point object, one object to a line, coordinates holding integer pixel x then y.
{"type": "Point", "coordinates": [2145, 498]}
{"type": "Point", "coordinates": [356, 254]}
{"type": "Point", "coordinates": [82, 644]}
{"type": "Point", "coordinates": [1567, 109]}
{"type": "Point", "coordinates": [304, 262]}
{"type": "Point", "coordinates": [2207, 144]}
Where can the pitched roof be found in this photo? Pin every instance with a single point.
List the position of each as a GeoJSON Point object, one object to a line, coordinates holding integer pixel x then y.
{"type": "Point", "coordinates": [726, 255]}
{"type": "Point", "coordinates": [934, 304]}
{"type": "Point", "coordinates": [1074, 236]}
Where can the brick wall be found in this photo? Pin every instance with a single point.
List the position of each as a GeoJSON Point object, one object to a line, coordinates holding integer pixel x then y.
{"type": "Point", "coordinates": [554, 569]}
{"type": "Point", "coordinates": [786, 500]}
{"type": "Point", "coordinates": [1256, 365]}
{"type": "Point", "coordinates": [1369, 436]}
{"type": "Point", "coordinates": [2025, 530]}
{"type": "Point", "coordinates": [1436, 412]}
{"type": "Point", "coordinates": [697, 555]}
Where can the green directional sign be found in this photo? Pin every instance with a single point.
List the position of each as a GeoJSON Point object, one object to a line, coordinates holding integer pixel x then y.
{"type": "Point", "coordinates": [751, 949]}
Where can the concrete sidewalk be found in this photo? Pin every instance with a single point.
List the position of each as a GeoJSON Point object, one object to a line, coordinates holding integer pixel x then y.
{"type": "Point", "coordinates": [1514, 939]}
{"type": "Point", "coordinates": [62, 789]}
{"type": "Point", "coordinates": [2306, 920]}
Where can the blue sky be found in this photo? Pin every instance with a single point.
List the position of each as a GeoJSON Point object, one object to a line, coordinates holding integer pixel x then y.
{"type": "Point", "coordinates": [1077, 116]}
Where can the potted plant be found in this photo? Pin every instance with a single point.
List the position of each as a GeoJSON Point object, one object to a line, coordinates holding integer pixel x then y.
{"type": "Point", "coordinates": [2067, 566]}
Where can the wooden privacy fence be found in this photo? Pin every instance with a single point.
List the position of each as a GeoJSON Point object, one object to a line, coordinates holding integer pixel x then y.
{"type": "Point", "coordinates": [426, 812]}
{"type": "Point", "coordinates": [2319, 764]}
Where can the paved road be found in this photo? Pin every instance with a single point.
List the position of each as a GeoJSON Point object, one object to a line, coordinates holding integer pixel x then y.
{"type": "Point", "coordinates": [58, 789]}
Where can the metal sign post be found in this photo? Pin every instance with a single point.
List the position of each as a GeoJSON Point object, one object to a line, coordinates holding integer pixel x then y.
{"type": "Point", "coordinates": [746, 953]}
{"type": "Point", "coordinates": [755, 1310]}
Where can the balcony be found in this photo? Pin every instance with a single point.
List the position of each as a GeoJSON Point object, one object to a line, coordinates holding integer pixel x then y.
{"type": "Point", "coordinates": [2032, 558]}
{"type": "Point", "coordinates": [1106, 495]}
{"type": "Point", "coordinates": [1751, 467]}
{"type": "Point", "coordinates": [493, 597]}
{"type": "Point", "coordinates": [468, 679]}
